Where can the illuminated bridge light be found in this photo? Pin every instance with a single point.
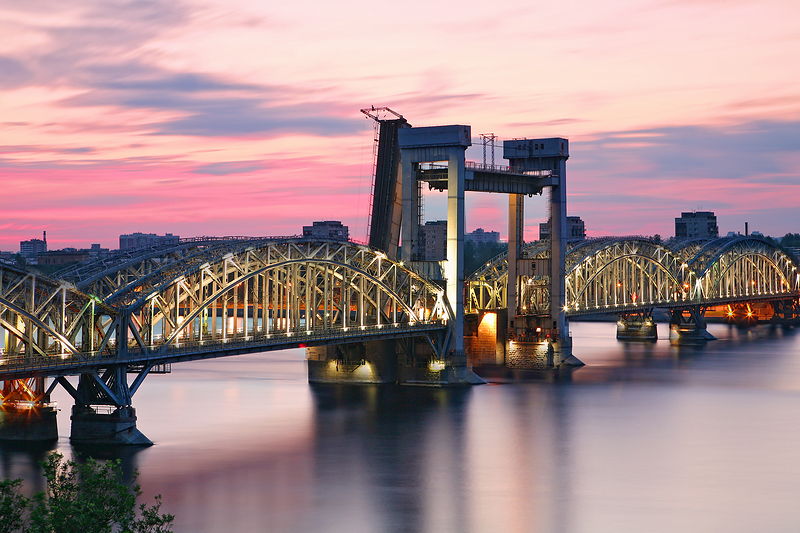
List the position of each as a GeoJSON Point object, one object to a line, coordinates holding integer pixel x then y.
{"type": "Point", "coordinates": [436, 365]}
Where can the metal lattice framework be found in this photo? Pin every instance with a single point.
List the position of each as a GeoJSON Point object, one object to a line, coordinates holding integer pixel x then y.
{"type": "Point", "coordinates": [41, 317]}
{"type": "Point", "coordinates": [285, 288]}
{"type": "Point", "coordinates": [106, 275]}
{"type": "Point", "coordinates": [253, 295]}
{"type": "Point", "coordinates": [743, 268]}
{"type": "Point", "coordinates": [486, 287]}
{"type": "Point", "coordinates": [625, 274]}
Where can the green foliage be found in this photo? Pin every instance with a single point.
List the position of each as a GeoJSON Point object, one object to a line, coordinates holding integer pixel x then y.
{"type": "Point", "coordinates": [80, 498]}
{"type": "Point", "coordinates": [792, 240]}
{"type": "Point", "coordinates": [12, 505]}
{"type": "Point", "coordinates": [477, 254]}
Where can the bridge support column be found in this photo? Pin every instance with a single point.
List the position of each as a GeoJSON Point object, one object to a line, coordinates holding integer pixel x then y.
{"type": "Point", "coordinates": [370, 362]}
{"type": "Point", "coordinates": [688, 326]}
{"type": "Point", "coordinates": [408, 361]}
{"type": "Point", "coordinates": [26, 413]}
{"type": "Point", "coordinates": [103, 413]}
{"type": "Point", "coordinates": [637, 326]}
{"type": "Point", "coordinates": [786, 312]}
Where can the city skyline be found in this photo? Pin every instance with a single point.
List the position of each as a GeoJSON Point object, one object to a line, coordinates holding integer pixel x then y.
{"type": "Point", "coordinates": [187, 117]}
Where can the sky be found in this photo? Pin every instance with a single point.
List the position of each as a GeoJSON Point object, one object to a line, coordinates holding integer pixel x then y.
{"type": "Point", "coordinates": [242, 118]}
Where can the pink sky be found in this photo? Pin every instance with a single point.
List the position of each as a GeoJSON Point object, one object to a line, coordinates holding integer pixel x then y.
{"type": "Point", "coordinates": [241, 117]}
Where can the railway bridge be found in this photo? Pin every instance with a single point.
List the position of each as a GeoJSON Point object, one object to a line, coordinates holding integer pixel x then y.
{"type": "Point", "coordinates": [377, 313]}
{"type": "Point", "coordinates": [739, 279]}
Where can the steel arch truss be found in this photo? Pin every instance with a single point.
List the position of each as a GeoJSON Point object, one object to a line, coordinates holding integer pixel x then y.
{"type": "Point", "coordinates": [625, 274]}
{"type": "Point", "coordinates": [288, 288]}
{"type": "Point", "coordinates": [42, 319]}
{"type": "Point", "coordinates": [486, 287]}
{"type": "Point", "coordinates": [106, 276]}
{"type": "Point", "coordinates": [744, 268]}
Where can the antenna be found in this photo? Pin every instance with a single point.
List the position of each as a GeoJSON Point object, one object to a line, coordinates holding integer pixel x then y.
{"type": "Point", "coordinates": [487, 139]}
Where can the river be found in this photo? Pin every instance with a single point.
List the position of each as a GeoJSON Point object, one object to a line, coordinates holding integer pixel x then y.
{"type": "Point", "coordinates": [646, 438]}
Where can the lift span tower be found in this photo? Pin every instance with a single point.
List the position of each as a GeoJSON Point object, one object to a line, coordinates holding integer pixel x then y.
{"type": "Point", "coordinates": [408, 157]}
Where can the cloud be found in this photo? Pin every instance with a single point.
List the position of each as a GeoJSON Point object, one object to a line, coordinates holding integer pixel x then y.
{"type": "Point", "coordinates": [14, 73]}
{"type": "Point", "coordinates": [104, 54]}
{"type": "Point", "coordinates": [736, 152]}
{"type": "Point", "coordinates": [229, 167]}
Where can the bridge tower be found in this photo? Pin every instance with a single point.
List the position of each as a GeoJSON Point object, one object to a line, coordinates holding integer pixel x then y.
{"type": "Point", "coordinates": [430, 145]}
{"type": "Point", "coordinates": [532, 156]}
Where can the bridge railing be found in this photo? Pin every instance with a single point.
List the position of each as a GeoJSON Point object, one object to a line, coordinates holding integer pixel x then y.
{"type": "Point", "coordinates": [158, 351]}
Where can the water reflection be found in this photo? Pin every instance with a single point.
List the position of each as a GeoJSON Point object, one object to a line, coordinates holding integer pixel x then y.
{"type": "Point", "coordinates": [647, 437]}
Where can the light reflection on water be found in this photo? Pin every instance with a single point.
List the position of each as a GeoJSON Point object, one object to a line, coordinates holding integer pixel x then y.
{"type": "Point", "coordinates": [647, 437]}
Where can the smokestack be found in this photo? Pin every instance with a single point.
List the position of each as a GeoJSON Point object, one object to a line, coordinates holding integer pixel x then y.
{"type": "Point", "coordinates": [746, 232]}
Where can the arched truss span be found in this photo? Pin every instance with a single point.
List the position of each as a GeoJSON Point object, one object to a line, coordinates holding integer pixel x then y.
{"type": "Point", "coordinates": [620, 274]}
{"type": "Point", "coordinates": [743, 267]}
{"type": "Point", "coordinates": [292, 287]}
{"type": "Point", "coordinates": [44, 318]}
{"type": "Point", "coordinates": [486, 287]}
{"type": "Point", "coordinates": [106, 276]}
{"type": "Point", "coordinates": [625, 273]}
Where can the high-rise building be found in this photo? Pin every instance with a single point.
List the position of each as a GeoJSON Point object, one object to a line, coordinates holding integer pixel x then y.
{"type": "Point", "coordinates": [132, 241]}
{"type": "Point", "coordinates": [696, 224]}
{"type": "Point", "coordinates": [576, 229]}
{"type": "Point", "coordinates": [327, 229]}
{"type": "Point", "coordinates": [31, 249]}
{"type": "Point", "coordinates": [479, 236]}
{"type": "Point", "coordinates": [433, 240]}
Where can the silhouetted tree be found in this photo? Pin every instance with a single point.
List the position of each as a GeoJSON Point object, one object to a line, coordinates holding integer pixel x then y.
{"type": "Point", "coordinates": [80, 498]}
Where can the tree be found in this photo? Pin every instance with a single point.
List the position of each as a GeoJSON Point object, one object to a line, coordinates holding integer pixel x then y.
{"type": "Point", "coordinates": [80, 497]}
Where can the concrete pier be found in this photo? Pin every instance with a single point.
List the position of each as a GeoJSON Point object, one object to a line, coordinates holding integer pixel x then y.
{"type": "Point", "coordinates": [636, 328]}
{"type": "Point", "coordinates": [28, 423]}
{"type": "Point", "coordinates": [115, 427]}
{"type": "Point", "coordinates": [402, 361]}
{"type": "Point", "coordinates": [688, 326]}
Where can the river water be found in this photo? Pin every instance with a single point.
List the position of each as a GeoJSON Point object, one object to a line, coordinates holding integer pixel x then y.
{"type": "Point", "coordinates": [645, 438]}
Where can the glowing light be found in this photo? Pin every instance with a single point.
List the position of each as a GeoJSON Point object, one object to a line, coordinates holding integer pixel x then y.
{"type": "Point", "coordinates": [436, 365]}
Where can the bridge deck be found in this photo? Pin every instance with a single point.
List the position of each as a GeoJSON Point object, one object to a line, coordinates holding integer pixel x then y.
{"type": "Point", "coordinates": [14, 367]}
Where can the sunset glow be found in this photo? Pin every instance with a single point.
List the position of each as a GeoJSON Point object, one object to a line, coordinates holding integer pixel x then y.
{"type": "Point", "coordinates": [241, 118]}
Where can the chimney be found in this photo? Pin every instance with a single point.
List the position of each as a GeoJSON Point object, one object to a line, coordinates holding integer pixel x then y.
{"type": "Point", "coordinates": [746, 232]}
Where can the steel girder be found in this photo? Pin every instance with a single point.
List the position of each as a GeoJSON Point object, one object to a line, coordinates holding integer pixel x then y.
{"type": "Point", "coordinates": [743, 268]}
{"type": "Point", "coordinates": [41, 317]}
{"type": "Point", "coordinates": [106, 276]}
{"type": "Point", "coordinates": [280, 288]}
{"type": "Point", "coordinates": [625, 274]}
{"type": "Point", "coordinates": [486, 287]}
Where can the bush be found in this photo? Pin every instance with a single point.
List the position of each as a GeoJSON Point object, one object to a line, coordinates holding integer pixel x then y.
{"type": "Point", "coordinates": [80, 498]}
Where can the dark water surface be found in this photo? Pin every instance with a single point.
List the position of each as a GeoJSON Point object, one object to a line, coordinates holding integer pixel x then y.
{"type": "Point", "coordinates": [646, 438]}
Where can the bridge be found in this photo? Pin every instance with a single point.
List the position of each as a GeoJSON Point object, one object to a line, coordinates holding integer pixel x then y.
{"type": "Point", "coordinates": [631, 276]}
{"type": "Point", "coordinates": [377, 313]}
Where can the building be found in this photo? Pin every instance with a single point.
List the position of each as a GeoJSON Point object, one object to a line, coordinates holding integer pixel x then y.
{"type": "Point", "coordinates": [63, 257]}
{"type": "Point", "coordinates": [576, 229]}
{"type": "Point", "coordinates": [696, 224]}
{"type": "Point", "coordinates": [31, 249]}
{"type": "Point", "coordinates": [433, 240]}
{"type": "Point", "coordinates": [132, 241]}
{"type": "Point", "coordinates": [479, 236]}
{"type": "Point", "coordinates": [327, 229]}
{"type": "Point", "coordinates": [68, 256]}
